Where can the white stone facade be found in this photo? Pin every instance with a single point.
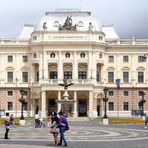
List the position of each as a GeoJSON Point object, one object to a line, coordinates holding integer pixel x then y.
{"type": "Point", "coordinates": [90, 57]}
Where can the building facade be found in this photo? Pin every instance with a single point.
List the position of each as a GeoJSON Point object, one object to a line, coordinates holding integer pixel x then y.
{"type": "Point", "coordinates": [75, 46]}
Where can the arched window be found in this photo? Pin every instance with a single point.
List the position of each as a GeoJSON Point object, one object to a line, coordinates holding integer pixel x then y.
{"type": "Point", "coordinates": [82, 55]}
{"type": "Point", "coordinates": [52, 55]}
{"type": "Point", "coordinates": [67, 55]}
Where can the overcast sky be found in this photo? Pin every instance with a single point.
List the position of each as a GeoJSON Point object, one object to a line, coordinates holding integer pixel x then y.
{"type": "Point", "coordinates": [129, 17]}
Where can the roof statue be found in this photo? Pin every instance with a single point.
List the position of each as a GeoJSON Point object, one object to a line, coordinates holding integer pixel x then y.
{"type": "Point", "coordinates": [68, 25]}
{"type": "Point", "coordinates": [65, 84]}
{"type": "Point", "coordinates": [90, 27]}
{"type": "Point", "coordinates": [44, 26]}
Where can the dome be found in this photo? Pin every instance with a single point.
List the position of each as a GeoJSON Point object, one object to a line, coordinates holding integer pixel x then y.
{"type": "Point", "coordinates": [81, 21]}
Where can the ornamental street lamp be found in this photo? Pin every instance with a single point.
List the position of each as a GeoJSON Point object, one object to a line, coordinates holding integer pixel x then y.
{"type": "Point", "coordinates": [22, 100]}
{"type": "Point", "coordinates": [142, 101]}
{"type": "Point", "coordinates": [105, 99]}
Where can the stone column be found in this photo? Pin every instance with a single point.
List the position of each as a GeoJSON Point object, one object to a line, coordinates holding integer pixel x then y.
{"type": "Point", "coordinates": [94, 67]}
{"type": "Point", "coordinates": [89, 71]}
{"type": "Point", "coordinates": [75, 67]}
{"type": "Point", "coordinates": [41, 66]}
{"type": "Point", "coordinates": [90, 104]}
{"type": "Point", "coordinates": [45, 66]}
{"type": "Point", "coordinates": [60, 67]}
{"type": "Point", "coordinates": [43, 105]}
{"type": "Point", "coordinates": [75, 105]}
{"type": "Point", "coordinates": [59, 98]}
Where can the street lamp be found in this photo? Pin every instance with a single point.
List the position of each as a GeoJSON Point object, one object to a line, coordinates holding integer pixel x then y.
{"type": "Point", "coordinates": [142, 101]}
{"type": "Point", "coordinates": [105, 99]}
{"type": "Point", "coordinates": [22, 100]}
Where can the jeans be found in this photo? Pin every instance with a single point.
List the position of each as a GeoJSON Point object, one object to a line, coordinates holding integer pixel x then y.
{"type": "Point", "coordinates": [62, 136]}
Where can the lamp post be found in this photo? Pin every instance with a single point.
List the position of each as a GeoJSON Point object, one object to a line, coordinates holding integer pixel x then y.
{"type": "Point", "coordinates": [105, 99]}
{"type": "Point", "coordinates": [142, 101]}
{"type": "Point", "coordinates": [22, 100]}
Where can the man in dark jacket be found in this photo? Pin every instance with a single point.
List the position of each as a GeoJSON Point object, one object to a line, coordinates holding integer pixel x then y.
{"type": "Point", "coordinates": [63, 124]}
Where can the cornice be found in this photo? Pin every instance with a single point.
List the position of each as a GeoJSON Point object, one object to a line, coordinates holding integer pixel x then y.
{"type": "Point", "coordinates": [127, 46]}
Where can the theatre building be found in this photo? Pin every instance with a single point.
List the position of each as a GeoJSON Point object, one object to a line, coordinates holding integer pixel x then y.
{"type": "Point", "coordinates": [72, 45]}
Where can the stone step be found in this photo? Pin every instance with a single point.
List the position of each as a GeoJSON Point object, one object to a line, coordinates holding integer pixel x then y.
{"type": "Point", "coordinates": [78, 119]}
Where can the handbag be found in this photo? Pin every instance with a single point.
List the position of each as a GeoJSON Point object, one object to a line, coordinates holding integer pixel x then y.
{"type": "Point", "coordinates": [53, 130]}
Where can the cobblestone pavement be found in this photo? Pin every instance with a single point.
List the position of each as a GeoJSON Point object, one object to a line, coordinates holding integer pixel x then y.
{"type": "Point", "coordinates": [82, 134]}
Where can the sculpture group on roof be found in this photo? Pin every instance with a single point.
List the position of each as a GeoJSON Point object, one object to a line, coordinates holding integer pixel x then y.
{"type": "Point", "coordinates": [68, 25]}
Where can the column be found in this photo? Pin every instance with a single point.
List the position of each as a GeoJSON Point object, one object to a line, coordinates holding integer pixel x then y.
{"type": "Point", "coordinates": [45, 65]}
{"type": "Point", "coordinates": [59, 98]}
{"type": "Point", "coordinates": [60, 67]}
{"type": "Point", "coordinates": [75, 105]}
{"type": "Point", "coordinates": [75, 67]}
{"type": "Point", "coordinates": [102, 75]}
{"type": "Point", "coordinates": [90, 104]}
{"type": "Point", "coordinates": [43, 104]}
{"type": "Point", "coordinates": [94, 67]}
{"type": "Point", "coordinates": [41, 67]}
{"type": "Point", "coordinates": [89, 71]}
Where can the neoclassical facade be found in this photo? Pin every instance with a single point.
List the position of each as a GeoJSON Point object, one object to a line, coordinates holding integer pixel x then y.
{"type": "Point", "coordinates": [75, 46]}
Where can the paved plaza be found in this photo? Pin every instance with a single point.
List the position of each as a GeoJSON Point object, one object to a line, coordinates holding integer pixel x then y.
{"type": "Point", "coordinates": [82, 134]}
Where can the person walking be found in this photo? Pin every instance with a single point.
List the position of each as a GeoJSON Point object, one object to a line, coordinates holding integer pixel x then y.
{"type": "Point", "coordinates": [7, 125]}
{"type": "Point", "coordinates": [63, 126]}
{"type": "Point", "coordinates": [37, 121]}
{"type": "Point", "coordinates": [54, 128]}
{"type": "Point", "coordinates": [146, 120]}
{"type": "Point", "coordinates": [12, 120]}
{"type": "Point", "coordinates": [49, 120]}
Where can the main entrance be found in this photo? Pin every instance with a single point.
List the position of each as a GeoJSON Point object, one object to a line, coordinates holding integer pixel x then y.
{"type": "Point", "coordinates": [82, 108]}
{"type": "Point", "coordinates": [52, 106]}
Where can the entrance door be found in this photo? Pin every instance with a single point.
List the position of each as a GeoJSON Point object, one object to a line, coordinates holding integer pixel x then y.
{"type": "Point", "coordinates": [82, 108]}
{"type": "Point", "coordinates": [52, 106]}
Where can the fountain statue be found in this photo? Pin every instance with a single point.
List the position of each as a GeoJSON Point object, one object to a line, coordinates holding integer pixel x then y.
{"type": "Point", "coordinates": [65, 102]}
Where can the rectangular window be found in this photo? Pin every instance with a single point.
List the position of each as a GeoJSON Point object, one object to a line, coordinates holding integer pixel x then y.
{"type": "Point", "coordinates": [110, 77]}
{"type": "Point", "coordinates": [111, 106]}
{"type": "Point", "coordinates": [53, 75]}
{"type": "Point", "coordinates": [125, 93]}
{"type": "Point", "coordinates": [10, 106]}
{"type": "Point", "coordinates": [141, 59]}
{"type": "Point", "coordinates": [110, 59]}
{"type": "Point", "coordinates": [9, 77]}
{"type": "Point", "coordinates": [125, 106]}
{"type": "Point", "coordinates": [10, 58]}
{"type": "Point", "coordinates": [140, 93]}
{"type": "Point", "coordinates": [67, 75]}
{"type": "Point", "coordinates": [111, 93]}
{"type": "Point", "coordinates": [125, 58]}
{"type": "Point", "coordinates": [24, 76]}
{"type": "Point", "coordinates": [25, 58]}
{"type": "Point", "coordinates": [25, 104]}
{"type": "Point", "coordinates": [10, 93]}
{"type": "Point", "coordinates": [82, 75]}
{"type": "Point", "coordinates": [126, 77]}
{"type": "Point", "coordinates": [98, 76]}
{"type": "Point", "coordinates": [140, 77]}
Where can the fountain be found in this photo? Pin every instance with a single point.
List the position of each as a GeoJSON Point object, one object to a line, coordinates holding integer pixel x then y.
{"type": "Point", "coordinates": [65, 102]}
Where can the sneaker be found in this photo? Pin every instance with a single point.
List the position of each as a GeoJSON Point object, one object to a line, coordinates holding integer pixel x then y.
{"type": "Point", "coordinates": [65, 144]}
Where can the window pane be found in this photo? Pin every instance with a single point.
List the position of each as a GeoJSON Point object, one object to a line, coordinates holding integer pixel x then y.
{"type": "Point", "coordinates": [111, 106]}
{"type": "Point", "coordinates": [140, 77]}
{"type": "Point", "coordinates": [110, 59]}
{"type": "Point", "coordinates": [10, 106]}
{"type": "Point", "coordinates": [10, 77]}
{"type": "Point", "coordinates": [125, 93]}
{"type": "Point", "coordinates": [10, 58]}
{"type": "Point", "coordinates": [82, 75]}
{"type": "Point", "coordinates": [25, 104]}
{"type": "Point", "coordinates": [25, 58]}
{"type": "Point", "coordinates": [125, 58]}
{"type": "Point", "coordinates": [25, 77]}
{"type": "Point", "coordinates": [110, 77]}
{"type": "Point", "coordinates": [10, 93]}
{"type": "Point", "coordinates": [67, 75]}
{"type": "Point", "coordinates": [53, 75]}
{"type": "Point", "coordinates": [125, 106]}
{"type": "Point", "coordinates": [125, 77]}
